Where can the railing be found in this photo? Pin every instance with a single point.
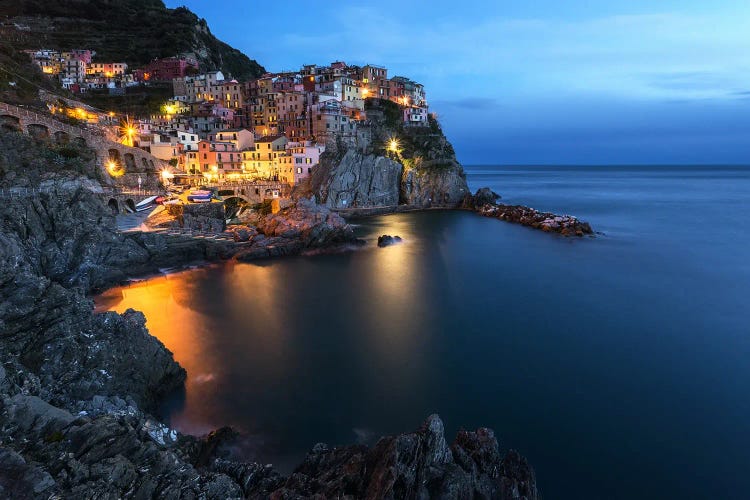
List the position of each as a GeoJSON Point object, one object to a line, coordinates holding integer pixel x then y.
{"type": "Point", "coordinates": [129, 191]}
{"type": "Point", "coordinates": [23, 192]}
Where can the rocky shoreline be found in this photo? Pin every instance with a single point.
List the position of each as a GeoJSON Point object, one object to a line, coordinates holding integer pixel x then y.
{"type": "Point", "coordinates": [77, 389]}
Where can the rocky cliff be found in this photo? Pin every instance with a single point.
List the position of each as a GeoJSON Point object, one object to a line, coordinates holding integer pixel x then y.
{"type": "Point", "coordinates": [419, 169]}
{"type": "Point", "coordinates": [77, 389]}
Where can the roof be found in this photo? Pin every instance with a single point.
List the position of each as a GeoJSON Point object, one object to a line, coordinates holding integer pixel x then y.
{"type": "Point", "coordinates": [232, 130]}
{"type": "Point", "coordinates": [270, 138]}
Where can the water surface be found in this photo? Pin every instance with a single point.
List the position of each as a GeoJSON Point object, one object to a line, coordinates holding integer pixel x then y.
{"type": "Point", "coordinates": [618, 365]}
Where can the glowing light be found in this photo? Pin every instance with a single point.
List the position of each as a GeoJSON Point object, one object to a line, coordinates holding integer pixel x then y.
{"type": "Point", "coordinates": [114, 169]}
{"type": "Point", "coordinates": [127, 132]}
{"type": "Point", "coordinates": [393, 145]}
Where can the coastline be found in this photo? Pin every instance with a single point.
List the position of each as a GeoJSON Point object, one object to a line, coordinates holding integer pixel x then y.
{"type": "Point", "coordinates": [201, 252]}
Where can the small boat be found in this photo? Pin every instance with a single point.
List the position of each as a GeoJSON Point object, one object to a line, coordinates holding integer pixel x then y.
{"type": "Point", "coordinates": [199, 196]}
{"type": "Point", "coordinates": [145, 204]}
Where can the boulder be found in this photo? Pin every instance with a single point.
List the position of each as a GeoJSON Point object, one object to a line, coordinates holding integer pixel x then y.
{"type": "Point", "coordinates": [387, 240]}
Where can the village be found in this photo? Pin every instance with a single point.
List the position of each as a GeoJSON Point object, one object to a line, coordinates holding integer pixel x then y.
{"type": "Point", "coordinates": [217, 130]}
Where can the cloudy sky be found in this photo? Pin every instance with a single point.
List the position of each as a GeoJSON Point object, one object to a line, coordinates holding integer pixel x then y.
{"type": "Point", "coordinates": [579, 81]}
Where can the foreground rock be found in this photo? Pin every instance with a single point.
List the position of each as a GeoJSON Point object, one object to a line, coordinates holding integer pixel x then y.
{"type": "Point", "coordinates": [416, 465]}
{"type": "Point", "coordinates": [305, 226]}
{"type": "Point", "coordinates": [483, 203]}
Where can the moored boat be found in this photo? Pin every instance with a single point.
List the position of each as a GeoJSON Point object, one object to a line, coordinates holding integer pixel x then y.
{"type": "Point", "coordinates": [145, 204]}
{"type": "Point", "coordinates": [199, 196]}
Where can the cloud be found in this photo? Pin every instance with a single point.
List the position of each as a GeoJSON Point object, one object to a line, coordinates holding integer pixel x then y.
{"type": "Point", "coordinates": [651, 56]}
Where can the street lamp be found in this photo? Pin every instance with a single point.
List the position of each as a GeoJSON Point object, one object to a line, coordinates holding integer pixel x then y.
{"type": "Point", "coordinates": [114, 169]}
{"type": "Point", "coordinates": [166, 176]}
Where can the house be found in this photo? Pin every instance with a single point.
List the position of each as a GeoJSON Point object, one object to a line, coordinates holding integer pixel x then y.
{"type": "Point", "coordinates": [228, 159]}
{"type": "Point", "coordinates": [305, 156]}
{"type": "Point", "coordinates": [202, 87]}
{"type": "Point", "coordinates": [265, 160]}
{"type": "Point", "coordinates": [166, 148]}
{"type": "Point", "coordinates": [206, 159]}
{"type": "Point", "coordinates": [188, 140]}
{"type": "Point", "coordinates": [106, 69]}
{"type": "Point", "coordinates": [231, 94]}
{"type": "Point", "coordinates": [415, 115]}
{"type": "Point", "coordinates": [241, 138]}
{"type": "Point", "coordinates": [330, 118]}
{"type": "Point", "coordinates": [169, 68]}
{"type": "Point", "coordinates": [375, 79]}
{"type": "Point", "coordinates": [406, 92]}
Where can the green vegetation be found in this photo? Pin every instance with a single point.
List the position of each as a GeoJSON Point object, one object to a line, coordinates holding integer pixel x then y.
{"type": "Point", "coordinates": [134, 31]}
{"type": "Point", "coordinates": [20, 79]}
{"type": "Point", "coordinates": [137, 101]}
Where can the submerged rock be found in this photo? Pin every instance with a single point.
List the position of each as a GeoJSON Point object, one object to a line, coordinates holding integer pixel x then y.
{"type": "Point", "coordinates": [387, 240]}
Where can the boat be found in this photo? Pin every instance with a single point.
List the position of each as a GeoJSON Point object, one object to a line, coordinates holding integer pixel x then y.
{"type": "Point", "coordinates": [145, 204]}
{"type": "Point", "coordinates": [199, 196]}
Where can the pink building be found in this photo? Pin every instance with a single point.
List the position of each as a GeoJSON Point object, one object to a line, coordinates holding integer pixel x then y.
{"type": "Point", "coordinates": [168, 68]}
{"type": "Point", "coordinates": [304, 157]}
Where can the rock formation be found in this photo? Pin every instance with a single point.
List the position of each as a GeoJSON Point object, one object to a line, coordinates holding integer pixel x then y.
{"type": "Point", "coordinates": [420, 172]}
{"type": "Point", "coordinates": [387, 240]}
{"type": "Point", "coordinates": [484, 203]}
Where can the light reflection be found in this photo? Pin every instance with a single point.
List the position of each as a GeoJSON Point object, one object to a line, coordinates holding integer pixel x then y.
{"type": "Point", "coordinates": [165, 301]}
{"type": "Point", "coordinates": [396, 279]}
{"type": "Point", "coordinates": [253, 296]}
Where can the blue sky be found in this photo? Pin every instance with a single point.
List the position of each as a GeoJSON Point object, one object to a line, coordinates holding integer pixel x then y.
{"type": "Point", "coordinates": [543, 82]}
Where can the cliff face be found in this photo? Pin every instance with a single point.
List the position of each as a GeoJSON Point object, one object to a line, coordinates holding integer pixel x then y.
{"type": "Point", "coordinates": [358, 180]}
{"type": "Point", "coordinates": [423, 171]}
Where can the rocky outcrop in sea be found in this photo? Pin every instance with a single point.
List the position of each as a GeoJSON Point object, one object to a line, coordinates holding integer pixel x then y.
{"type": "Point", "coordinates": [484, 202]}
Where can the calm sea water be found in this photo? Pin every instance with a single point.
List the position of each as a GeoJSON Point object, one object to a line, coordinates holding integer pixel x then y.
{"type": "Point", "coordinates": [619, 365]}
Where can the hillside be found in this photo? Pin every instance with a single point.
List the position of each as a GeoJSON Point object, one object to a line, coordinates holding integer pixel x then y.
{"type": "Point", "coordinates": [134, 31]}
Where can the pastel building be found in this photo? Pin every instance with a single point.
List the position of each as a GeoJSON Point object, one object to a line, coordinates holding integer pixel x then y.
{"type": "Point", "coordinates": [304, 157]}
{"type": "Point", "coordinates": [107, 69]}
{"type": "Point", "coordinates": [241, 138]}
{"type": "Point", "coordinates": [415, 115]}
{"type": "Point", "coordinates": [375, 78]}
{"type": "Point", "coordinates": [169, 68]}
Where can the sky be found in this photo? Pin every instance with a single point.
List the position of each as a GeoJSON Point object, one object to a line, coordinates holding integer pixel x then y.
{"type": "Point", "coordinates": [542, 82]}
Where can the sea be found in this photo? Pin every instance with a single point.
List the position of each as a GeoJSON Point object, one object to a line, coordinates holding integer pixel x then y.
{"type": "Point", "coordinates": [618, 364]}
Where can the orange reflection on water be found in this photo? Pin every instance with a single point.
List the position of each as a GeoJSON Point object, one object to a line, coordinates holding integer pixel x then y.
{"type": "Point", "coordinates": [167, 302]}
{"type": "Point", "coordinates": [395, 274]}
